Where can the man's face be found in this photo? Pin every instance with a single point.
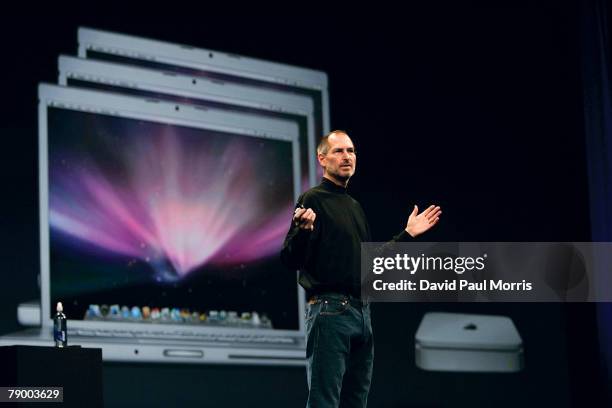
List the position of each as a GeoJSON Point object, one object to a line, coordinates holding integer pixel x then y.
{"type": "Point", "coordinates": [340, 160]}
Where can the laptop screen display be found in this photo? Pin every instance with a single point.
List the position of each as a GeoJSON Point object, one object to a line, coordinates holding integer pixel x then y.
{"type": "Point", "coordinates": [154, 222]}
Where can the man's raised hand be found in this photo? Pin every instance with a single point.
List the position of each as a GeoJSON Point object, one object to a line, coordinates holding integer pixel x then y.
{"type": "Point", "coordinates": [419, 223]}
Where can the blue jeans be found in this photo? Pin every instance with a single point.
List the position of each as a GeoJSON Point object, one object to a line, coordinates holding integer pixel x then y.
{"type": "Point", "coordinates": [340, 352]}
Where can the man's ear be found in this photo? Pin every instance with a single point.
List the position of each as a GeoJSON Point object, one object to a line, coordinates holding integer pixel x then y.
{"type": "Point", "coordinates": [321, 158]}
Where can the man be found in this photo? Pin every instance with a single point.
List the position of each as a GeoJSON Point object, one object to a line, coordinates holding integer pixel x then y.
{"type": "Point", "coordinates": [324, 243]}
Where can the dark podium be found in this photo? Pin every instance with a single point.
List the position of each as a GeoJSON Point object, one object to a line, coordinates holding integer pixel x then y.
{"type": "Point", "coordinates": [77, 370]}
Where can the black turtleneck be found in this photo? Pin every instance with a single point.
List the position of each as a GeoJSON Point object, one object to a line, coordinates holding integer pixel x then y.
{"type": "Point", "coordinates": [328, 257]}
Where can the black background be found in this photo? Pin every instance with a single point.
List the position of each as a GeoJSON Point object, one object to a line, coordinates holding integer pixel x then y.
{"type": "Point", "coordinates": [477, 109]}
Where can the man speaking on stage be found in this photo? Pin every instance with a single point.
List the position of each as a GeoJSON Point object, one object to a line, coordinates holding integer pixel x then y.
{"type": "Point", "coordinates": [324, 244]}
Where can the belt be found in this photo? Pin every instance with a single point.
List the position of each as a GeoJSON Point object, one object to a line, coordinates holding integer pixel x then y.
{"type": "Point", "coordinates": [338, 296]}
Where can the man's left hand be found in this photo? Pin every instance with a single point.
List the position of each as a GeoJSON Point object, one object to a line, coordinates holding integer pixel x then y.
{"type": "Point", "coordinates": [420, 223]}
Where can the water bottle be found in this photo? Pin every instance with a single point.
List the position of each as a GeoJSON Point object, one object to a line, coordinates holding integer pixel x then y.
{"type": "Point", "coordinates": [60, 333]}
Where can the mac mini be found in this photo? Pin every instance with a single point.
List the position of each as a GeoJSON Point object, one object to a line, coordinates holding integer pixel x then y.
{"type": "Point", "coordinates": [468, 343]}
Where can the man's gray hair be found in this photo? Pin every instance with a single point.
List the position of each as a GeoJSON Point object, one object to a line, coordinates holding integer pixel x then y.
{"type": "Point", "coordinates": [324, 144]}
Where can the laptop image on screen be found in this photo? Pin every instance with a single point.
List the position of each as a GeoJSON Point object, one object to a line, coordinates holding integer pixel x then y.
{"type": "Point", "coordinates": [160, 227]}
{"type": "Point", "coordinates": [201, 91]}
{"type": "Point", "coordinates": [229, 68]}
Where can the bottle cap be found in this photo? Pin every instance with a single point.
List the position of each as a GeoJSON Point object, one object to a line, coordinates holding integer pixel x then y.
{"type": "Point", "coordinates": [59, 307]}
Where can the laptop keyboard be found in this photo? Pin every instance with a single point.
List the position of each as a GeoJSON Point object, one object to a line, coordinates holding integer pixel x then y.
{"type": "Point", "coordinates": [183, 335]}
